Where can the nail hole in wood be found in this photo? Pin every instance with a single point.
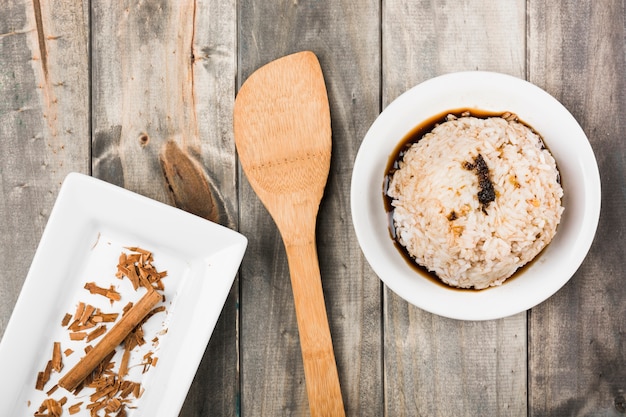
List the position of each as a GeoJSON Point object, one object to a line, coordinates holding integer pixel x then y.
{"type": "Point", "coordinates": [143, 139]}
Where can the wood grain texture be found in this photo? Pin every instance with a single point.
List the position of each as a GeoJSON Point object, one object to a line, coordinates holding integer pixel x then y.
{"type": "Point", "coordinates": [215, 390]}
{"type": "Point", "coordinates": [143, 91]}
{"type": "Point", "coordinates": [44, 125]}
{"type": "Point", "coordinates": [435, 366]}
{"type": "Point", "coordinates": [141, 95]}
{"type": "Point", "coordinates": [345, 37]}
{"type": "Point", "coordinates": [163, 88]}
{"type": "Point", "coordinates": [577, 343]}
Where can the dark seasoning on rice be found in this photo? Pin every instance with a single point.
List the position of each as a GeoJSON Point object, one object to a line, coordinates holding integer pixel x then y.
{"type": "Point", "coordinates": [472, 197]}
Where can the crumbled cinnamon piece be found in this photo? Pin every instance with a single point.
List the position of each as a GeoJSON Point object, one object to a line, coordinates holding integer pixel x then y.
{"type": "Point", "coordinates": [75, 408]}
{"type": "Point", "coordinates": [50, 408]}
{"type": "Point", "coordinates": [78, 335]}
{"type": "Point", "coordinates": [54, 364]}
{"type": "Point", "coordinates": [153, 312]}
{"type": "Point", "coordinates": [79, 311]}
{"type": "Point", "coordinates": [139, 269]}
{"type": "Point", "coordinates": [143, 278]}
{"type": "Point", "coordinates": [44, 376]}
{"type": "Point", "coordinates": [99, 317]}
{"type": "Point", "coordinates": [89, 318]}
{"type": "Point", "coordinates": [111, 394]}
{"type": "Point", "coordinates": [137, 391]}
{"type": "Point", "coordinates": [68, 352]}
{"type": "Point", "coordinates": [66, 319]}
{"type": "Point", "coordinates": [123, 371]}
{"type": "Point", "coordinates": [86, 316]}
{"type": "Point", "coordinates": [128, 387]}
{"type": "Point", "coordinates": [52, 390]}
{"type": "Point", "coordinates": [135, 338]}
{"type": "Point", "coordinates": [96, 333]}
{"type": "Point", "coordinates": [110, 293]}
{"type": "Point", "coordinates": [113, 405]}
{"type": "Point", "coordinates": [133, 277]}
{"type": "Point", "coordinates": [57, 361]}
{"type": "Point", "coordinates": [148, 361]}
{"type": "Point", "coordinates": [126, 308]}
{"type": "Point", "coordinates": [133, 258]}
{"type": "Point", "coordinates": [107, 388]}
{"type": "Point", "coordinates": [113, 295]}
{"type": "Point", "coordinates": [140, 250]}
{"type": "Point", "coordinates": [77, 327]}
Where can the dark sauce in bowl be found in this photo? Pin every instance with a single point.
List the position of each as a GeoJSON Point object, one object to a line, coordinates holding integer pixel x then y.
{"type": "Point", "coordinates": [393, 163]}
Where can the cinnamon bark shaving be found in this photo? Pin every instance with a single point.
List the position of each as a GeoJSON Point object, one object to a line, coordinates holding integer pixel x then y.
{"type": "Point", "coordinates": [112, 392]}
{"type": "Point", "coordinates": [57, 360]}
{"type": "Point", "coordinates": [51, 408]}
{"type": "Point", "coordinates": [139, 269]}
{"type": "Point", "coordinates": [110, 293]}
{"type": "Point", "coordinates": [88, 317]}
{"type": "Point", "coordinates": [136, 337]}
{"type": "Point", "coordinates": [75, 408]}
{"type": "Point", "coordinates": [66, 320]}
{"type": "Point", "coordinates": [54, 364]}
{"type": "Point", "coordinates": [85, 318]}
{"type": "Point", "coordinates": [104, 317]}
{"type": "Point", "coordinates": [43, 377]}
{"type": "Point", "coordinates": [96, 333]}
{"type": "Point", "coordinates": [52, 390]}
{"type": "Point", "coordinates": [78, 335]}
{"type": "Point", "coordinates": [126, 308]}
{"type": "Point", "coordinates": [148, 361]}
{"type": "Point", "coordinates": [123, 370]}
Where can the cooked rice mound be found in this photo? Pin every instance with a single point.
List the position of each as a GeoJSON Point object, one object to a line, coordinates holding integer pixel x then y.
{"type": "Point", "coordinates": [474, 223]}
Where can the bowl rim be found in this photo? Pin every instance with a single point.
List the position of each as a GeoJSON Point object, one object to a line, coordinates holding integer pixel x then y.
{"type": "Point", "coordinates": [487, 91]}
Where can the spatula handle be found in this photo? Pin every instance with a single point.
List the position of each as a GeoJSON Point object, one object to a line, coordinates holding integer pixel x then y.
{"type": "Point", "coordinates": [320, 370]}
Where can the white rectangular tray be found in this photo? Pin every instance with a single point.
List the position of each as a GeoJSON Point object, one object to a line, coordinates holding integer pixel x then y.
{"type": "Point", "coordinates": [91, 223]}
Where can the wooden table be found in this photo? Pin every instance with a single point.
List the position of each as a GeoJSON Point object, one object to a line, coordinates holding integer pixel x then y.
{"type": "Point", "coordinates": [139, 92]}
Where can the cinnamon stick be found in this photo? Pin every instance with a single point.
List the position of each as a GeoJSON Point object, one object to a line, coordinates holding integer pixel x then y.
{"type": "Point", "coordinates": [113, 338]}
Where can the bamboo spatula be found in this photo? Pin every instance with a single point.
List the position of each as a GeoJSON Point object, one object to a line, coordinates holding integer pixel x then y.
{"type": "Point", "coordinates": [283, 138]}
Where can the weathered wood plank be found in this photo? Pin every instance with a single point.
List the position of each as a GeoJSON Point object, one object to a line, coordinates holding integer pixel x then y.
{"type": "Point", "coordinates": [577, 344]}
{"type": "Point", "coordinates": [44, 125]}
{"type": "Point", "coordinates": [215, 390]}
{"type": "Point", "coordinates": [436, 366]}
{"type": "Point", "coordinates": [345, 36]}
{"type": "Point", "coordinates": [163, 89]}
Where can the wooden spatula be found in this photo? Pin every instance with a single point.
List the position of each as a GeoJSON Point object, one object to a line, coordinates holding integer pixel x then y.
{"type": "Point", "coordinates": [283, 138]}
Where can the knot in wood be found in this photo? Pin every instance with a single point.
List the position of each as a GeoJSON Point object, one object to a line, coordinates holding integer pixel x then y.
{"type": "Point", "coordinates": [144, 139]}
{"type": "Point", "coordinates": [620, 404]}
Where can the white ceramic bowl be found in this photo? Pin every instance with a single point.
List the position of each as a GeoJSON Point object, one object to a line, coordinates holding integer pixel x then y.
{"type": "Point", "coordinates": [489, 92]}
